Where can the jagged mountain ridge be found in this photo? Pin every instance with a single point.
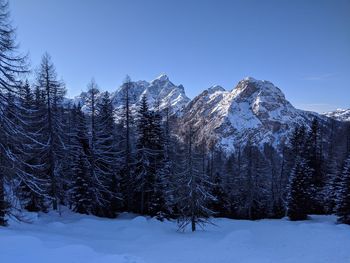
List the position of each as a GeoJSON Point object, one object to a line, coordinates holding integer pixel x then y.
{"type": "Point", "coordinates": [160, 93]}
{"type": "Point", "coordinates": [339, 115]}
{"type": "Point", "coordinates": [254, 109]}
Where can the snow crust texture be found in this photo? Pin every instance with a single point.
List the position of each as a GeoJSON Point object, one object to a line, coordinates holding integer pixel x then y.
{"type": "Point", "coordinates": [75, 238]}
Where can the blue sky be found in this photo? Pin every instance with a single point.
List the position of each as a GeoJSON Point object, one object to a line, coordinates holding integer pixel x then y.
{"type": "Point", "coordinates": [303, 47]}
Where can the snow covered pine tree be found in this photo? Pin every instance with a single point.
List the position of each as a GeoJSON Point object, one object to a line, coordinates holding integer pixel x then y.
{"type": "Point", "coordinates": [343, 197]}
{"type": "Point", "coordinates": [193, 194]}
{"type": "Point", "coordinates": [12, 66]}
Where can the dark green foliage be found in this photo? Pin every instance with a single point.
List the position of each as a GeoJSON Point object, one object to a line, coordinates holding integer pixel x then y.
{"type": "Point", "coordinates": [81, 194]}
{"type": "Point", "coordinates": [343, 197]}
{"type": "Point", "coordinates": [299, 194]}
{"type": "Point", "coordinates": [151, 169]}
{"type": "Point", "coordinates": [12, 67]}
{"type": "Point", "coordinates": [106, 154]}
{"type": "Point", "coordinates": [52, 130]}
{"type": "Point", "coordinates": [81, 190]}
{"type": "Point", "coordinates": [193, 192]}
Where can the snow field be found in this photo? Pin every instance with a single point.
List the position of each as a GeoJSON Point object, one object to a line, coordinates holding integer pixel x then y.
{"type": "Point", "coordinates": [76, 238]}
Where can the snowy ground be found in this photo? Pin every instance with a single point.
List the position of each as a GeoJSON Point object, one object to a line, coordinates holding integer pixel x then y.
{"type": "Point", "coordinates": [76, 238]}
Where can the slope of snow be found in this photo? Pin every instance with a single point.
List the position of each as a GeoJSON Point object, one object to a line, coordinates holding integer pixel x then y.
{"type": "Point", "coordinates": [339, 114]}
{"type": "Point", "coordinates": [130, 239]}
{"type": "Point", "coordinates": [160, 93]}
{"type": "Point", "coordinates": [254, 109]}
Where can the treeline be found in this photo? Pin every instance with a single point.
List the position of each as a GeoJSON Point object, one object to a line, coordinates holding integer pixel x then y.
{"type": "Point", "coordinates": [99, 160]}
{"type": "Point", "coordinates": [83, 157]}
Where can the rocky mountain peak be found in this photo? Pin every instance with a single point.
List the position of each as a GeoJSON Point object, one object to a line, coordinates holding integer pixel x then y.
{"type": "Point", "coordinates": [161, 78]}
{"type": "Point", "coordinates": [254, 108]}
{"type": "Point", "coordinates": [160, 91]}
{"type": "Point", "coordinates": [250, 87]}
{"type": "Point", "coordinates": [339, 114]}
{"type": "Point", "coordinates": [215, 88]}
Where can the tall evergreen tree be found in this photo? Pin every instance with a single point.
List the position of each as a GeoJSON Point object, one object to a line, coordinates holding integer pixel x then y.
{"type": "Point", "coordinates": [276, 192]}
{"type": "Point", "coordinates": [331, 188]}
{"type": "Point", "coordinates": [126, 171]}
{"type": "Point", "coordinates": [107, 155]}
{"type": "Point", "coordinates": [193, 195]}
{"type": "Point", "coordinates": [343, 197]}
{"type": "Point", "coordinates": [12, 66]}
{"type": "Point", "coordinates": [81, 192]}
{"type": "Point", "coordinates": [314, 157]}
{"type": "Point", "coordinates": [143, 174]}
{"type": "Point", "coordinates": [52, 127]}
{"type": "Point", "coordinates": [254, 183]}
{"type": "Point", "coordinates": [157, 199]}
{"type": "Point", "coordinates": [32, 183]}
{"type": "Point", "coordinates": [165, 178]}
{"type": "Point", "coordinates": [299, 194]}
{"type": "Point", "coordinates": [101, 144]}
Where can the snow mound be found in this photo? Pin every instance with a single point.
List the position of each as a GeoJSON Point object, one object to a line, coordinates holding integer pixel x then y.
{"type": "Point", "coordinates": [139, 220]}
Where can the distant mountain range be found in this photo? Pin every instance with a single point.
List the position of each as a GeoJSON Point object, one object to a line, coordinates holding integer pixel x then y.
{"type": "Point", "coordinates": [339, 114]}
{"type": "Point", "coordinates": [160, 93]}
{"type": "Point", "coordinates": [255, 109]}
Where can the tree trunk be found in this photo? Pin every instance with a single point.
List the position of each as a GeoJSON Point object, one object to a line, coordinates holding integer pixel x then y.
{"type": "Point", "coordinates": [193, 223]}
{"type": "Point", "coordinates": [3, 205]}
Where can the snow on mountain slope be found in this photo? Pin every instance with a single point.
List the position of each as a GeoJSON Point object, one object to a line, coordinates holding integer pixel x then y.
{"type": "Point", "coordinates": [160, 92]}
{"type": "Point", "coordinates": [255, 110]}
{"type": "Point", "coordinates": [339, 114]}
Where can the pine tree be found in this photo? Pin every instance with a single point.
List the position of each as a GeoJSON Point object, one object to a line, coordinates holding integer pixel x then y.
{"type": "Point", "coordinates": [343, 197]}
{"type": "Point", "coordinates": [102, 167]}
{"type": "Point", "coordinates": [165, 179]}
{"type": "Point", "coordinates": [331, 188]}
{"type": "Point", "coordinates": [193, 195]}
{"type": "Point", "coordinates": [107, 155]}
{"type": "Point", "coordinates": [276, 191]}
{"type": "Point", "coordinates": [314, 157]}
{"type": "Point", "coordinates": [157, 202]}
{"type": "Point", "coordinates": [299, 194]}
{"type": "Point", "coordinates": [11, 67]}
{"type": "Point", "coordinates": [144, 172]}
{"type": "Point", "coordinates": [82, 198]}
{"type": "Point", "coordinates": [297, 142]}
{"type": "Point", "coordinates": [127, 155]}
{"type": "Point", "coordinates": [254, 183]}
{"type": "Point", "coordinates": [221, 204]}
{"type": "Point", "coordinates": [220, 172]}
{"type": "Point", "coordinates": [161, 165]}
{"type": "Point", "coordinates": [52, 129]}
{"type": "Point", "coordinates": [32, 184]}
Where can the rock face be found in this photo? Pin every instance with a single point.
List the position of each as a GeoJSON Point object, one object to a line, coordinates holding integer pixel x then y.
{"type": "Point", "coordinates": [339, 115]}
{"type": "Point", "coordinates": [255, 110]}
{"type": "Point", "coordinates": [160, 93]}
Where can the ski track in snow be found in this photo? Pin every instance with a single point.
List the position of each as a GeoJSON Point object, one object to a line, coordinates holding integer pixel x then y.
{"type": "Point", "coordinates": [75, 238]}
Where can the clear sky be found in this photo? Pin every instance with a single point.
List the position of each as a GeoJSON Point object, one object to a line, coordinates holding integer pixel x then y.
{"type": "Point", "coordinates": [302, 46]}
